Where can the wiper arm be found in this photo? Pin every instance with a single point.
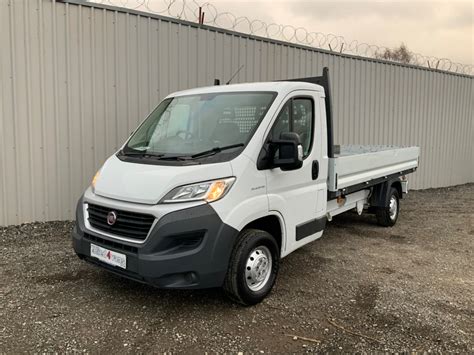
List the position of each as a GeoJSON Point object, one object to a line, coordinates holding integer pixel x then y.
{"type": "Point", "coordinates": [216, 150]}
{"type": "Point", "coordinates": [159, 156]}
{"type": "Point", "coordinates": [142, 154]}
{"type": "Point", "coordinates": [172, 157]}
{"type": "Point", "coordinates": [212, 151]}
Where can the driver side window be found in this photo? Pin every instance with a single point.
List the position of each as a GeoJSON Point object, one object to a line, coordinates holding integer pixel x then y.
{"type": "Point", "coordinates": [296, 116]}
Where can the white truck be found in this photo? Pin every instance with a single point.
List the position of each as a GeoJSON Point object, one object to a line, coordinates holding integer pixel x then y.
{"type": "Point", "coordinates": [220, 183]}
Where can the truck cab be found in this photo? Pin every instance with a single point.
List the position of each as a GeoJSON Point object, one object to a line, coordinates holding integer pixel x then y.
{"type": "Point", "coordinates": [219, 183]}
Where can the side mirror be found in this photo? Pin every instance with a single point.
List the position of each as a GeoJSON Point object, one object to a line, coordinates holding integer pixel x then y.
{"type": "Point", "coordinates": [290, 151]}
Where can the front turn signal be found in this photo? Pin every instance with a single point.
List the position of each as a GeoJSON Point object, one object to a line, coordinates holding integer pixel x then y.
{"type": "Point", "coordinates": [95, 179]}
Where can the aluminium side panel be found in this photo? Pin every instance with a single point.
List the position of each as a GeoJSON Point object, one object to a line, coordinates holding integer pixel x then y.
{"type": "Point", "coordinates": [360, 167]}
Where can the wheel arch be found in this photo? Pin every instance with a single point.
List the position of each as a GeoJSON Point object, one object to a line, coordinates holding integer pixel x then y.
{"type": "Point", "coordinates": [397, 184]}
{"type": "Point", "coordinates": [381, 192]}
{"type": "Point", "coordinates": [272, 224]}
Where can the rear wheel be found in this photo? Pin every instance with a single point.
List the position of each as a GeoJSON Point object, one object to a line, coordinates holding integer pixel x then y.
{"type": "Point", "coordinates": [387, 216]}
{"type": "Point", "coordinates": [253, 267]}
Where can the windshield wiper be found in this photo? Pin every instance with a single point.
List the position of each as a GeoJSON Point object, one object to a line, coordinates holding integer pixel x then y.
{"type": "Point", "coordinates": [216, 150]}
{"type": "Point", "coordinates": [159, 156]}
{"type": "Point", "coordinates": [140, 154]}
{"type": "Point", "coordinates": [172, 157]}
{"type": "Point", "coordinates": [212, 151]}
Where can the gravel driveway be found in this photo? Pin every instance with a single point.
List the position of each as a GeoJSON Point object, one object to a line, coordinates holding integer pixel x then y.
{"type": "Point", "coordinates": [360, 287]}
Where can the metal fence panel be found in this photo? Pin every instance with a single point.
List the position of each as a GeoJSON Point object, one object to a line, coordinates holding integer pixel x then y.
{"type": "Point", "coordinates": [75, 80]}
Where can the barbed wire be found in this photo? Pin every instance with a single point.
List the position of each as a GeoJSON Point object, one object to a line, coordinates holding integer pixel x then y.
{"type": "Point", "coordinates": [191, 10]}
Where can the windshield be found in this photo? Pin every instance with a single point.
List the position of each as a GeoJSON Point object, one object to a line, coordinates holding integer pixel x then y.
{"type": "Point", "coordinates": [190, 125]}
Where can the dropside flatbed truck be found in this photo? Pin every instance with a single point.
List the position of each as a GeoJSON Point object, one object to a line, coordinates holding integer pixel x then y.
{"type": "Point", "coordinates": [218, 184]}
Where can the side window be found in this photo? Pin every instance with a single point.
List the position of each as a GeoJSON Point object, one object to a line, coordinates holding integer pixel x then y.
{"type": "Point", "coordinates": [296, 116]}
{"type": "Point", "coordinates": [282, 123]}
{"type": "Point", "coordinates": [303, 122]}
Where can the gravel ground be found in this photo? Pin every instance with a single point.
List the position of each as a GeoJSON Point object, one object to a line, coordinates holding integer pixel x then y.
{"type": "Point", "coordinates": [360, 287]}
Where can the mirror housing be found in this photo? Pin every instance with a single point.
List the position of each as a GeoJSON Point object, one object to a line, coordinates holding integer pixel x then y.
{"type": "Point", "coordinates": [290, 151]}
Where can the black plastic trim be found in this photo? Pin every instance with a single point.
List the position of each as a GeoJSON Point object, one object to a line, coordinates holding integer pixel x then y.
{"type": "Point", "coordinates": [110, 244]}
{"type": "Point", "coordinates": [311, 227]}
{"type": "Point", "coordinates": [188, 248]}
{"type": "Point", "coordinates": [380, 196]}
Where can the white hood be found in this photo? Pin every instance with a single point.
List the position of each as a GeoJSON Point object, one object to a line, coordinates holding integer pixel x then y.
{"type": "Point", "coordinates": [148, 184]}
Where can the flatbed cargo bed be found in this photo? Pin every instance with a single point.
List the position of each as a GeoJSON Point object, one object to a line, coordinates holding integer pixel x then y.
{"type": "Point", "coordinates": [356, 166]}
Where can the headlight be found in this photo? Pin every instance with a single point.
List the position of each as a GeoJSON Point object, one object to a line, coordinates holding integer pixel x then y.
{"type": "Point", "coordinates": [208, 191]}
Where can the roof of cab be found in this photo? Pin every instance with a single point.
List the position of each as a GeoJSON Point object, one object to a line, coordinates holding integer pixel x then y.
{"type": "Point", "coordinates": [281, 87]}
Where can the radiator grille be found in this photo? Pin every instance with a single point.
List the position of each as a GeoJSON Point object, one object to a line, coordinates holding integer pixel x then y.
{"type": "Point", "coordinates": [128, 224]}
{"type": "Point", "coordinates": [110, 244]}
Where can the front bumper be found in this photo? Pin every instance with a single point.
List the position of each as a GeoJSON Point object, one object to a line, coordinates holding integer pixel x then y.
{"type": "Point", "coordinates": [188, 248]}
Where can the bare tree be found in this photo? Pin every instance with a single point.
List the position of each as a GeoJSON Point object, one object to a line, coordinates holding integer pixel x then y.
{"type": "Point", "coordinates": [400, 54]}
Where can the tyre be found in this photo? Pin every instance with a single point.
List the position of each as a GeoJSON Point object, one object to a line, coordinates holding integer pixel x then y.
{"type": "Point", "coordinates": [387, 216]}
{"type": "Point", "coordinates": [253, 267]}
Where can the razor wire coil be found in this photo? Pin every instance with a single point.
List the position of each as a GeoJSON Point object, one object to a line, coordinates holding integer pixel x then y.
{"type": "Point", "coordinates": [189, 10]}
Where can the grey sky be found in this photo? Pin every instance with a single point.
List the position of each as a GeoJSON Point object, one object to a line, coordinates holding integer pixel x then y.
{"type": "Point", "coordinates": [432, 28]}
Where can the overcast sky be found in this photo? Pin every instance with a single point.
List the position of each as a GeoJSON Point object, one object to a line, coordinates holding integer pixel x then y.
{"type": "Point", "coordinates": [433, 28]}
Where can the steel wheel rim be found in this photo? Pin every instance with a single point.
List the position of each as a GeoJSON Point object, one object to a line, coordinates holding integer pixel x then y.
{"type": "Point", "coordinates": [258, 268]}
{"type": "Point", "coordinates": [393, 207]}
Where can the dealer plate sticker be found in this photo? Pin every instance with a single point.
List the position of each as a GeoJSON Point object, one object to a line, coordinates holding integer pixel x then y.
{"type": "Point", "coordinates": [109, 256]}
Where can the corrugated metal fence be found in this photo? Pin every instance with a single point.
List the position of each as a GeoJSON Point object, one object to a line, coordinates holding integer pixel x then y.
{"type": "Point", "coordinates": [76, 80]}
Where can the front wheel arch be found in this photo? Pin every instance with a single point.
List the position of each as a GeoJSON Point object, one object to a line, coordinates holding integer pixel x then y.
{"type": "Point", "coordinates": [270, 224]}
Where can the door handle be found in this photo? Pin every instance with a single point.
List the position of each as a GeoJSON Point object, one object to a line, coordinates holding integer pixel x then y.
{"type": "Point", "coordinates": [315, 170]}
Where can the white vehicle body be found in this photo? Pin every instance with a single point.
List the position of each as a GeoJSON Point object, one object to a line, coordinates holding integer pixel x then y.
{"type": "Point", "coordinates": [300, 200]}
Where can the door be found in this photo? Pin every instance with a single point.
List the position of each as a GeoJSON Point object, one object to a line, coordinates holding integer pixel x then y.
{"type": "Point", "coordinates": [300, 195]}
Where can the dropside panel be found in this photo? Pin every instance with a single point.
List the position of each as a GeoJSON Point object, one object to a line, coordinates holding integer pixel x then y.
{"type": "Point", "coordinates": [359, 164]}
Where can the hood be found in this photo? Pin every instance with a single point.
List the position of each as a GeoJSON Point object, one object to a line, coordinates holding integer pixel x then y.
{"type": "Point", "coordinates": [148, 184]}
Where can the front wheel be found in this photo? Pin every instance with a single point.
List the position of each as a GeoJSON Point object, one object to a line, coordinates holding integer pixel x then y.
{"type": "Point", "coordinates": [253, 267]}
{"type": "Point", "coordinates": [387, 216]}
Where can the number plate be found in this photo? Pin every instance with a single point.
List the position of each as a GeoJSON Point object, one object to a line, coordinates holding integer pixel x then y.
{"type": "Point", "coordinates": [109, 256]}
